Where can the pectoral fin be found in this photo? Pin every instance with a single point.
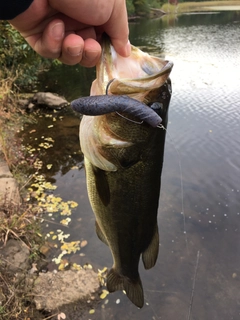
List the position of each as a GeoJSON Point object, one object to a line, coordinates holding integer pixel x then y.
{"type": "Point", "coordinates": [100, 234]}
{"type": "Point", "coordinates": [95, 141]}
{"type": "Point", "coordinates": [149, 256]}
{"type": "Point", "coordinates": [101, 185]}
{"type": "Point", "coordinates": [133, 288]}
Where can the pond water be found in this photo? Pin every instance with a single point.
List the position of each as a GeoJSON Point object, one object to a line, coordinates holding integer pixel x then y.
{"type": "Point", "coordinates": [197, 275]}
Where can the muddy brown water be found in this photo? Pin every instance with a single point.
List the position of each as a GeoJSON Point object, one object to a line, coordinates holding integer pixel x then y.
{"type": "Point", "coordinates": [197, 275]}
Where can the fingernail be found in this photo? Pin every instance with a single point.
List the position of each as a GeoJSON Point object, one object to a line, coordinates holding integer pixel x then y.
{"type": "Point", "coordinates": [74, 51]}
{"type": "Point", "coordinates": [91, 55]}
{"type": "Point", "coordinates": [58, 30]}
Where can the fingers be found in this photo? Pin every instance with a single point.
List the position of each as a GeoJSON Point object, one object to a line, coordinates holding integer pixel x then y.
{"type": "Point", "coordinates": [110, 16]}
{"type": "Point", "coordinates": [76, 50]}
{"type": "Point", "coordinates": [68, 47]}
{"type": "Point", "coordinates": [81, 48]}
{"type": "Point", "coordinates": [117, 28]}
{"type": "Point", "coordinates": [92, 53]}
{"type": "Point", "coordinates": [66, 29]}
{"type": "Point", "coordinates": [122, 47]}
{"type": "Point", "coordinates": [49, 42]}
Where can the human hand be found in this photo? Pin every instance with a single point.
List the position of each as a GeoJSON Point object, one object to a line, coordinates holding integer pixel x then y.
{"type": "Point", "coordinates": [68, 30]}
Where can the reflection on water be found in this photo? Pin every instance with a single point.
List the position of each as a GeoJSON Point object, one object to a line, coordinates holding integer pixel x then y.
{"type": "Point", "coordinates": [204, 127]}
{"type": "Point", "coordinates": [68, 81]}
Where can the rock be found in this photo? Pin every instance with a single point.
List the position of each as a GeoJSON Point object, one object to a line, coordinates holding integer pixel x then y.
{"type": "Point", "coordinates": [53, 290]}
{"type": "Point", "coordinates": [4, 170]}
{"type": "Point", "coordinates": [154, 12]}
{"type": "Point", "coordinates": [15, 256]}
{"type": "Point", "coordinates": [49, 100]}
{"type": "Point", "coordinates": [44, 249]}
{"type": "Point", "coordinates": [23, 103]}
{"type": "Point", "coordinates": [9, 192]}
{"type": "Point", "coordinates": [30, 107]}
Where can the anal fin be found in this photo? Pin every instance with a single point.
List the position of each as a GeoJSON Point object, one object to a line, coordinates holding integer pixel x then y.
{"type": "Point", "coordinates": [133, 288]}
{"type": "Point", "coordinates": [149, 256]}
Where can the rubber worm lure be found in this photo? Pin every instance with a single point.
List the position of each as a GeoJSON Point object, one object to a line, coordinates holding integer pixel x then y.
{"type": "Point", "coordinates": [103, 104]}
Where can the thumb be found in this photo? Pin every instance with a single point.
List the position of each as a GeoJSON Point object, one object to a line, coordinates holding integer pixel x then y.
{"type": "Point", "coordinates": [117, 29]}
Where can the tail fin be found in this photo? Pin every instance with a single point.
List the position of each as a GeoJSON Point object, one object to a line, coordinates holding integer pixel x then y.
{"type": "Point", "coordinates": [133, 288]}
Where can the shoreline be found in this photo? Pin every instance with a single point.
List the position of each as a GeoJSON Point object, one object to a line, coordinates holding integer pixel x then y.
{"type": "Point", "coordinates": [188, 8]}
{"type": "Point", "coordinates": [28, 261]}
{"type": "Point", "coordinates": [204, 7]}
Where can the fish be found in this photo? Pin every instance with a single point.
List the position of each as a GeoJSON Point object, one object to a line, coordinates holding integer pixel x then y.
{"type": "Point", "coordinates": [122, 136]}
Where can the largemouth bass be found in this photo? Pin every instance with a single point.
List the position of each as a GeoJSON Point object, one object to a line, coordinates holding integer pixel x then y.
{"type": "Point", "coordinates": [123, 145]}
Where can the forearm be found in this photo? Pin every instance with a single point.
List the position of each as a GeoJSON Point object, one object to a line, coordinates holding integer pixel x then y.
{"type": "Point", "coordinates": [9, 9]}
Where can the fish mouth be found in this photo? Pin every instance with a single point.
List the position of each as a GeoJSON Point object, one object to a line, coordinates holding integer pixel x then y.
{"type": "Point", "coordinates": [135, 76]}
{"type": "Point", "coordinates": [126, 85]}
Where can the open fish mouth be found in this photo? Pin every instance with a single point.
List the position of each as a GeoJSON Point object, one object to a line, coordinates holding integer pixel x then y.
{"type": "Point", "coordinates": [125, 91]}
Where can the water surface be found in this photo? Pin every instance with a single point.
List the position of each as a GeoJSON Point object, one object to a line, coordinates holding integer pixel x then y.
{"type": "Point", "coordinates": [197, 275]}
